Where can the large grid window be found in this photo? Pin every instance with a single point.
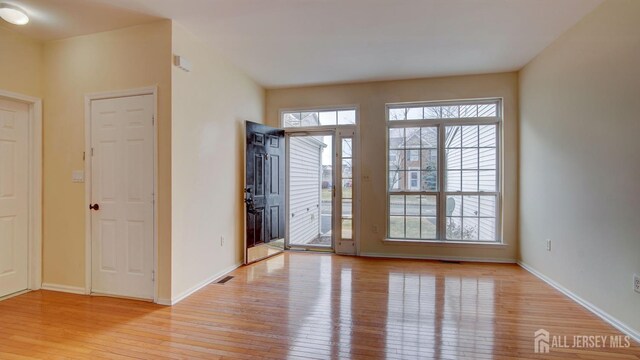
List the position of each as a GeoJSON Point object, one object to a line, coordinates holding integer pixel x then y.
{"type": "Point", "coordinates": [443, 171]}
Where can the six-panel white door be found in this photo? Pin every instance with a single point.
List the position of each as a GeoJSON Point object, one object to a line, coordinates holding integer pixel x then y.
{"type": "Point", "coordinates": [14, 179]}
{"type": "Point", "coordinates": [122, 185]}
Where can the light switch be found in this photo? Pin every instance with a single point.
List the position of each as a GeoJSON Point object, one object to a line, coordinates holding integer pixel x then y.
{"type": "Point", "coordinates": [77, 176]}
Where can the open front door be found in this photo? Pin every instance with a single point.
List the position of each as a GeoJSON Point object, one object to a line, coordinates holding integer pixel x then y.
{"type": "Point", "coordinates": [264, 191]}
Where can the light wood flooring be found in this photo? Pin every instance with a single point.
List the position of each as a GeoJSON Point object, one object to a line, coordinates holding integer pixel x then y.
{"type": "Point", "coordinates": [315, 306]}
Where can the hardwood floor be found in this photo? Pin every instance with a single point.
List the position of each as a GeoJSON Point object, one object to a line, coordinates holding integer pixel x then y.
{"type": "Point", "coordinates": [316, 306]}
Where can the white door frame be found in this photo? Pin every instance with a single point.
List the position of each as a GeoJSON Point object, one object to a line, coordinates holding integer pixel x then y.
{"type": "Point", "coordinates": [152, 90]}
{"type": "Point", "coordinates": [34, 187]}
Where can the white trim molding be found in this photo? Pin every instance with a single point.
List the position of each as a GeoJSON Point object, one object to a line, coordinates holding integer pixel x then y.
{"type": "Point", "coordinates": [185, 294]}
{"type": "Point", "coordinates": [63, 288]}
{"type": "Point", "coordinates": [35, 186]}
{"type": "Point", "coordinates": [442, 258]}
{"type": "Point", "coordinates": [625, 329]}
{"type": "Point", "coordinates": [150, 90]}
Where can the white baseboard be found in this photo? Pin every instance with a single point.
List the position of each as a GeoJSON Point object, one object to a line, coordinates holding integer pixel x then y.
{"type": "Point", "coordinates": [625, 329]}
{"type": "Point", "coordinates": [63, 288]}
{"type": "Point", "coordinates": [193, 289]}
{"type": "Point", "coordinates": [445, 258]}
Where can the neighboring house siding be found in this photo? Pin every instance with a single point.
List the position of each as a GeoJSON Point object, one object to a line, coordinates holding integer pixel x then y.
{"type": "Point", "coordinates": [304, 182]}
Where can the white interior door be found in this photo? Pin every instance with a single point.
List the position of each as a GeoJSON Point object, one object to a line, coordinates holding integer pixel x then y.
{"type": "Point", "coordinates": [122, 186]}
{"type": "Point", "coordinates": [14, 179]}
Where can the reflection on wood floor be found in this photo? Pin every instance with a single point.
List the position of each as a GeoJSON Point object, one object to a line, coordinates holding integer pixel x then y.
{"type": "Point", "coordinates": [316, 306]}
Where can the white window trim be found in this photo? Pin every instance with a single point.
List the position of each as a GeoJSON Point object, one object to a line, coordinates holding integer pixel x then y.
{"type": "Point", "coordinates": [441, 193]}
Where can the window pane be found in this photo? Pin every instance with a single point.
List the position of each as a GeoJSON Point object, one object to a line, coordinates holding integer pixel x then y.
{"type": "Point", "coordinates": [487, 110]}
{"type": "Point", "coordinates": [429, 137]}
{"type": "Point", "coordinates": [469, 158]}
{"type": "Point", "coordinates": [487, 206]}
{"type": "Point", "coordinates": [412, 138]}
{"type": "Point", "coordinates": [470, 229]}
{"type": "Point", "coordinates": [469, 180]}
{"type": "Point", "coordinates": [432, 112]}
{"type": "Point", "coordinates": [453, 138]}
{"type": "Point", "coordinates": [396, 227]}
{"type": "Point", "coordinates": [347, 148]}
{"type": "Point", "coordinates": [413, 227]}
{"type": "Point", "coordinates": [397, 114]}
{"type": "Point", "coordinates": [396, 179]}
{"type": "Point", "coordinates": [488, 158]}
{"type": "Point", "coordinates": [454, 159]}
{"type": "Point", "coordinates": [347, 168]}
{"type": "Point", "coordinates": [347, 228]}
{"type": "Point", "coordinates": [487, 229]}
{"type": "Point", "coordinates": [412, 204]}
{"type": "Point", "coordinates": [429, 159]}
{"type": "Point", "coordinates": [469, 136]}
{"type": "Point", "coordinates": [413, 181]}
{"type": "Point", "coordinates": [454, 180]}
{"type": "Point", "coordinates": [470, 206]}
{"type": "Point", "coordinates": [291, 119]}
{"type": "Point", "coordinates": [396, 138]}
{"type": "Point", "coordinates": [414, 113]}
{"type": "Point", "coordinates": [346, 117]}
{"type": "Point", "coordinates": [428, 227]}
{"type": "Point", "coordinates": [413, 158]}
{"type": "Point", "coordinates": [347, 208]}
{"type": "Point", "coordinates": [454, 205]}
{"type": "Point", "coordinates": [450, 112]}
{"type": "Point", "coordinates": [347, 186]}
{"type": "Point", "coordinates": [428, 205]}
{"type": "Point", "coordinates": [487, 135]}
{"type": "Point", "coordinates": [396, 160]}
{"type": "Point", "coordinates": [468, 111]}
{"type": "Point", "coordinates": [327, 117]}
{"type": "Point", "coordinates": [488, 181]}
{"type": "Point", "coordinates": [309, 119]}
{"type": "Point", "coordinates": [429, 180]}
{"type": "Point", "coordinates": [454, 228]}
{"type": "Point", "coordinates": [396, 205]}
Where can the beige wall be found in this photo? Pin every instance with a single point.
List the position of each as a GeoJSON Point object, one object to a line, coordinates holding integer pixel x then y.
{"type": "Point", "coordinates": [20, 64]}
{"type": "Point", "coordinates": [580, 171]}
{"type": "Point", "coordinates": [129, 58]}
{"type": "Point", "coordinates": [210, 105]}
{"type": "Point", "coordinates": [371, 99]}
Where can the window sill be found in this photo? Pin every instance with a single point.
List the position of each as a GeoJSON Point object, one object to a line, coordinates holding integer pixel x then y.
{"type": "Point", "coordinates": [444, 243]}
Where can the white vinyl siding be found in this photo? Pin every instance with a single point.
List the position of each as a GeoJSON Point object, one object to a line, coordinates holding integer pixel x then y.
{"type": "Point", "coordinates": [305, 166]}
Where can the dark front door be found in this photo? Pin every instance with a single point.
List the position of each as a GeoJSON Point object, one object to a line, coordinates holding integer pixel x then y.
{"type": "Point", "coordinates": [265, 187]}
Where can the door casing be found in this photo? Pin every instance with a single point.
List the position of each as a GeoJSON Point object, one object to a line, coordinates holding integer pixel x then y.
{"type": "Point", "coordinates": [34, 260]}
{"type": "Point", "coordinates": [153, 90]}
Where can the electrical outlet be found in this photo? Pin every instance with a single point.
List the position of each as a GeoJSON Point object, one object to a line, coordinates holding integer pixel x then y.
{"type": "Point", "coordinates": [548, 244]}
{"type": "Point", "coordinates": [636, 283]}
{"type": "Point", "coordinates": [221, 240]}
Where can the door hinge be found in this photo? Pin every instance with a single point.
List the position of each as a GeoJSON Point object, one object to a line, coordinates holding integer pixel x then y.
{"type": "Point", "coordinates": [153, 119]}
{"type": "Point", "coordinates": [153, 275]}
{"type": "Point", "coordinates": [91, 151]}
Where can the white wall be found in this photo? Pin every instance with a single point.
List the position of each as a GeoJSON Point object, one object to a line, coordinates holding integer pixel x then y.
{"type": "Point", "coordinates": [209, 107]}
{"type": "Point", "coordinates": [371, 99]}
{"type": "Point", "coordinates": [579, 160]}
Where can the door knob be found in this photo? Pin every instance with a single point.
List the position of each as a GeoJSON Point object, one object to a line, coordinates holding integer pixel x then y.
{"type": "Point", "coordinates": [94, 207]}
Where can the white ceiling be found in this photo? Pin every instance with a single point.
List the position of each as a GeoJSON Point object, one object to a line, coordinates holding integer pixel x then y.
{"type": "Point", "coordinates": [283, 43]}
